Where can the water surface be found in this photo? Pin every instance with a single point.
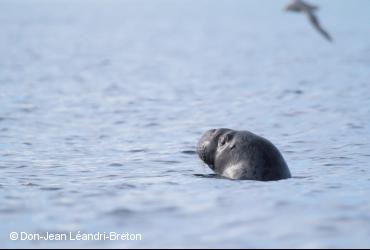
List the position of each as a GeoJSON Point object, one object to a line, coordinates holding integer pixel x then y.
{"type": "Point", "coordinates": [102, 104]}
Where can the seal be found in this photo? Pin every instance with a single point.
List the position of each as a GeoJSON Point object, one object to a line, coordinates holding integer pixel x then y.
{"type": "Point", "coordinates": [242, 155]}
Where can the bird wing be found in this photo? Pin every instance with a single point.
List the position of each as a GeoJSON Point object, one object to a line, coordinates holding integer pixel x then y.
{"type": "Point", "coordinates": [315, 22]}
{"type": "Point", "coordinates": [309, 6]}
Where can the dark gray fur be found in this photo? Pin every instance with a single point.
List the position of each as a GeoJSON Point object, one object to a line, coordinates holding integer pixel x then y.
{"type": "Point", "coordinates": [242, 155]}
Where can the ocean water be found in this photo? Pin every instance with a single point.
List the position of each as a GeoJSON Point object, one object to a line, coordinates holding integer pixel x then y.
{"type": "Point", "coordinates": [102, 104]}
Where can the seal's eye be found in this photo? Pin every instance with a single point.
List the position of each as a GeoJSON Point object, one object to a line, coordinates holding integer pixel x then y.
{"type": "Point", "coordinates": [224, 139]}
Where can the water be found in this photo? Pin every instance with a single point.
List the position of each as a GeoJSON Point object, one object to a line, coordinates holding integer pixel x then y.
{"type": "Point", "coordinates": [102, 104]}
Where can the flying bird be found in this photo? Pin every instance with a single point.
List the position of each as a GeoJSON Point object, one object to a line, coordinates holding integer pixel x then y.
{"type": "Point", "coordinates": [309, 10]}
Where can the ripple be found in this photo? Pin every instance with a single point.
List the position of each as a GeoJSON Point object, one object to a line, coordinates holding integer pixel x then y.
{"type": "Point", "coordinates": [145, 176]}
{"type": "Point", "coordinates": [302, 177]}
{"type": "Point", "coordinates": [28, 109]}
{"type": "Point", "coordinates": [22, 166]}
{"type": "Point", "coordinates": [167, 209]}
{"type": "Point", "coordinates": [120, 212]}
{"type": "Point", "coordinates": [116, 164]}
{"type": "Point", "coordinates": [209, 176]}
{"type": "Point", "coordinates": [51, 188]}
{"type": "Point", "coordinates": [74, 137]}
{"type": "Point", "coordinates": [354, 126]}
{"type": "Point", "coordinates": [58, 166]}
{"type": "Point", "coordinates": [109, 176]}
{"type": "Point", "coordinates": [11, 210]}
{"type": "Point", "coordinates": [12, 197]}
{"type": "Point", "coordinates": [179, 171]}
{"type": "Point", "coordinates": [290, 92]}
{"type": "Point", "coordinates": [189, 152]}
{"type": "Point", "coordinates": [168, 161]}
{"type": "Point", "coordinates": [152, 124]}
{"type": "Point", "coordinates": [341, 158]}
{"type": "Point", "coordinates": [334, 186]}
{"type": "Point", "coordinates": [119, 111]}
{"type": "Point", "coordinates": [293, 113]}
{"type": "Point", "coordinates": [280, 204]}
{"type": "Point", "coordinates": [103, 136]}
{"type": "Point", "coordinates": [125, 186]}
{"type": "Point", "coordinates": [85, 171]}
{"type": "Point", "coordinates": [299, 142]}
{"type": "Point", "coordinates": [327, 229]}
{"type": "Point", "coordinates": [313, 192]}
{"type": "Point", "coordinates": [171, 183]}
{"type": "Point", "coordinates": [30, 184]}
{"type": "Point", "coordinates": [139, 150]}
{"type": "Point", "coordinates": [331, 164]}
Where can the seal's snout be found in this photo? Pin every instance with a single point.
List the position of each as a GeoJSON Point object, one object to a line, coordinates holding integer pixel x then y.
{"type": "Point", "coordinates": [206, 147]}
{"type": "Point", "coordinates": [211, 131]}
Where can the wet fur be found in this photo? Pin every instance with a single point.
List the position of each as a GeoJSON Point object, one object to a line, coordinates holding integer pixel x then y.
{"type": "Point", "coordinates": [244, 156]}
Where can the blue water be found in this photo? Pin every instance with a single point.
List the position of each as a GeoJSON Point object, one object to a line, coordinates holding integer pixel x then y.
{"type": "Point", "coordinates": [103, 102]}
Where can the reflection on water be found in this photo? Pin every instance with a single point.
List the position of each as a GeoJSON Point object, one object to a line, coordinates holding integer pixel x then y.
{"type": "Point", "coordinates": [102, 104]}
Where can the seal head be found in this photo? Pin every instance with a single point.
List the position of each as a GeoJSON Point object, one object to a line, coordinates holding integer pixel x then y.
{"type": "Point", "coordinates": [241, 155]}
